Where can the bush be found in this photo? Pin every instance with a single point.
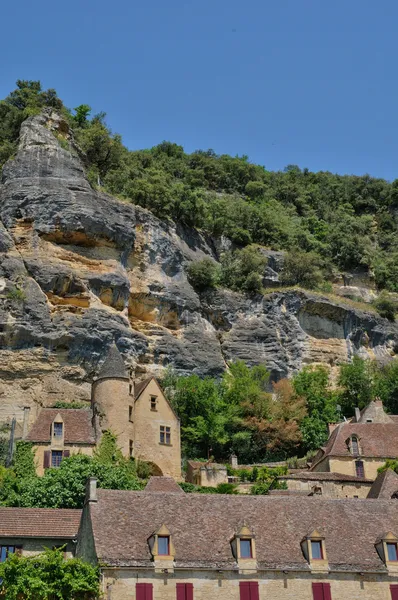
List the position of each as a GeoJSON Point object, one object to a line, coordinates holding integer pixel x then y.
{"type": "Point", "coordinates": [386, 306]}
{"type": "Point", "coordinates": [302, 268]}
{"type": "Point", "coordinates": [203, 274]}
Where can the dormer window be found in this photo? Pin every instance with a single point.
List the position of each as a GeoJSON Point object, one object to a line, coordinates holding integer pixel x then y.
{"type": "Point", "coordinates": [387, 549]}
{"type": "Point", "coordinates": [58, 430]}
{"type": "Point", "coordinates": [392, 551]}
{"type": "Point", "coordinates": [316, 550]}
{"type": "Point", "coordinates": [354, 445]}
{"type": "Point", "coordinates": [245, 548]}
{"type": "Point", "coordinates": [163, 545]}
{"type": "Point", "coordinates": [154, 400]}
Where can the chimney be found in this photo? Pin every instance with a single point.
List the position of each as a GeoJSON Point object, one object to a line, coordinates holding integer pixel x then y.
{"type": "Point", "coordinates": [357, 415]}
{"type": "Point", "coordinates": [233, 459]}
{"type": "Point", "coordinates": [25, 427]}
{"type": "Point", "coordinates": [91, 490]}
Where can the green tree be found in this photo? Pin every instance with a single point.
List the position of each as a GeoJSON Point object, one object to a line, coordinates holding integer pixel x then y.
{"type": "Point", "coordinates": [81, 114]}
{"type": "Point", "coordinates": [356, 381]}
{"type": "Point", "coordinates": [48, 576]}
{"type": "Point", "coordinates": [203, 274]}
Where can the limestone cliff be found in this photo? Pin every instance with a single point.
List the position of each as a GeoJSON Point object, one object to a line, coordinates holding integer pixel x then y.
{"type": "Point", "coordinates": [80, 269]}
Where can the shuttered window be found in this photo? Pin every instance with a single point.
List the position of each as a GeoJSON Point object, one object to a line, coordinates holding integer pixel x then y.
{"type": "Point", "coordinates": [394, 591]}
{"type": "Point", "coordinates": [144, 591]}
{"type": "Point", "coordinates": [53, 458]}
{"type": "Point", "coordinates": [184, 591]}
{"type": "Point", "coordinates": [249, 590]}
{"type": "Point", "coordinates": [321, 591]}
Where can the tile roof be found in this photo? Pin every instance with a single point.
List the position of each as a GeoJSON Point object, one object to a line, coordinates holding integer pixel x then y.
{"type": "Point", "coordinates": [113, 366]}
{"type": "Point", "coordinates": [163, 485]}
{"type": "Point", "coordinates": [39, 522]}
{"type": "Point", "coordinates": [320, 476]}
{"type": "Point", "coordinates": [78, 428]}
{"type": "Point", "coordinates": [202, 526]}
{"type": "Point", "coordinates": [378, 440]}
{"type": "Point", "coordinates": [385, 485]}
{"type": "Point", "coordinates": [140, 387]}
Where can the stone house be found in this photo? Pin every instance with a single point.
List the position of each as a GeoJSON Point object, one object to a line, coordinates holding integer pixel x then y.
{"type": "Point", "coordinates": [331, 485]}
{"type": "Point", "coordinates": [58, 433]}
{"type": "Point", "coordinates": [139, 414]}
{"type": "Point", "coordinates": [207, 474]}
{"type": "Point", "coordinates": [161, 543]}
{"type": "Point", "coordinates": [360, 446]}
{"type": "Point", "coordinates": [29, 530]}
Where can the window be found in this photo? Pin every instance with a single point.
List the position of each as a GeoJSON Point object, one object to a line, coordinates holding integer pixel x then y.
{"type": "Point", "coordinates": [184, 591]}
{"type": "Point", "coordinates": [245, 549]}
{"type": "Point", "coordinates": [369, 420]}
{"type": "Point", "coordinates": [321, 591]}
{"type": "Point", "coordinates": [58, 430]}
{"type": "Point", "coordinates": [248, 590]}
{"type": "Point", "coordinates": [354, 445]}
{"type": "Point", "coordinates": [130, 414]}
{"type": "Point", "coordinates": [359, 468]}
{"type": "Point", "coordinates": [131, 448]}
{"type": "Point", "coordinates": [392, 553]}
{"type": "Point", "coordinates": [56, 458]}
{"type": "Point", "coordinates": [316, 550]}
{"type": "Point", "coordinates": [165, 435]}
{"type": "Point", "coordinates": [144, 591]}
{"type": "Point", "coordinates": [153, 402]}
{"type": "Point", "coordinates": [5, 551]}
{"type": "Point", "coordinates": [163, 545]}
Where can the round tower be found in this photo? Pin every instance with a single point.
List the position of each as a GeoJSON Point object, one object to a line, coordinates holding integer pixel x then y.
{"type": "Point", "coordinates": [113, 407]}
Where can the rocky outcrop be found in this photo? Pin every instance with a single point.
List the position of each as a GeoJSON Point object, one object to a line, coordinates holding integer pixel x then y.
{"type": "Point", "coordinates": [80, 270]}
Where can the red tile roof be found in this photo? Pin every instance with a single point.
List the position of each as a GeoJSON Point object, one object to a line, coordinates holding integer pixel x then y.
{"type": "Point", "coordinates": [202, 526]}
{"type": "Point", "coordinates": [39, 522]}
{"type": "Point", "coordinates": [163, 485]}
{"type": "Point", "coordinates": [378, 440]}
{"type": "Point", "coordinates": [320, 476]}
{"type": "Point", "coordinates": [78, 427]}
{"type": "Point", "coordinates": [385, 485]}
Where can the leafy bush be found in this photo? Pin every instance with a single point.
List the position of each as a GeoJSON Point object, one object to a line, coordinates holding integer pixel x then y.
{"type": "Point", "coordinates": [242, 270]}
{"type": "Point", "coordinates": [47, 576]}
{"type": "Point", "coordinates": [302, 268]}
{"type": "Point", "coordinates": [203, 274]}
{"type": "Point", "coordinates": [69, 405]}
{"type": "Point", "coordinates": [386, 306]}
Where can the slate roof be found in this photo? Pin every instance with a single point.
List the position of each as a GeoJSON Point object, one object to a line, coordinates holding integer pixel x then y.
{"type": "Point", "coordinates": [162, 485]}
{"type": "Point", "coordinates": [39, 522]}
{"type": "Point", "coordinates": [377, 440]}
{"type": "Point", "coordinates": [320, 476]}
{"type": "Point", "coordinates": [78, 428]}
{"type": "Point", "coordinates": [385, 485]}
{"type": "Point", "coordinates": [113, 366]}
{"type": "Point", "coordinates": [202, 526]}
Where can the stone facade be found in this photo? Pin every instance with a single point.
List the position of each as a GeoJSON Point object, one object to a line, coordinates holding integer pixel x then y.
{"type": "Point", "coordinates": [331, 487]}
{"type": "Point", "coordinates": [206, 474]}
{"type": "Point", "coordinates": [120, 584]}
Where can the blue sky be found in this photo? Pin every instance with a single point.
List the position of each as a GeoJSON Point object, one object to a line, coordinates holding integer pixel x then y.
{"type": "Point", "coordinates": [307, 82]}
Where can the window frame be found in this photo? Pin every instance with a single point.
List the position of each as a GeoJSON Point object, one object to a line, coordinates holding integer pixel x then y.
{"type": "Point", "coordinates": [320, 545]}
{"type": "Point", "coordinates": [250, 556]}
{"type": "Point", "coordinates": [395, 546]}
{"type": "Point", "coordinates": [59, 455]}
{"type": "Point", "coordinates": [58, 424]}
{"type": "Point", "coordinates": [165, 435]}
{"type": "Point", "coordinates": [15, 550]}
{"type": "Point", "coordinates": [355, 445]}
{"type": "Point", "coordinates": [167, 538]}
{"type": "Point", "coordinates": [360, 468]}
{"type": "Point", "coordinates": [153, 403]}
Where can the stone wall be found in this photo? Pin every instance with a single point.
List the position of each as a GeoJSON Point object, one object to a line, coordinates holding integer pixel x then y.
{"type": "Point", "coordinates": [330, 489]}
{"type": "Point", "coordinates": [39, 450]}
{"type": "Point", "coordinates": [30, 547]}
{"type": "Point", "coordinates": [120, 585]}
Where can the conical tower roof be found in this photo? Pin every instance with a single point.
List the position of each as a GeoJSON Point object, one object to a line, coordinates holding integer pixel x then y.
{"type": "Point", "coordinates": [113, 366]}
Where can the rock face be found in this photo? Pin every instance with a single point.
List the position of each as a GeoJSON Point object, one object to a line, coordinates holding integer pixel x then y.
{"type": "Point", "coordinates": [80, 270]}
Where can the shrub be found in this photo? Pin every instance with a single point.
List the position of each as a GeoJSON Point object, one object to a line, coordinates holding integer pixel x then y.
{"type": "Point", "coordinates": [302, 268]}
{"type": "Point", "coordinates": [16, 294]}
{"type": "Point", "coordinates": [203, 274]}
{"type": "Point", "coordinates": [386, 306]}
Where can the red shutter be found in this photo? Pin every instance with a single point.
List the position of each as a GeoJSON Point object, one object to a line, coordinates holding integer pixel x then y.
{"type": "Point", "coordinates": [327, 594]}
{"type": "Point", "coordinates": [244, 588]}
{"type": "Point", "coordinates": [184, 591]}
{"type": "Point", "coordinates": [47, 456]}
{"type": "Point", "coordinates": [317, 591]}
{"type": "Point", "coordinates": [254, 593]}
{"type": "Point", "coordinates": [189, 591]}
{"type": "Point", "coordinates": [143, 591]}
{"type": "Point", "coordinates": [181, 591]}
{"type": "Point", "coordinates": [66, 454]}
{"type": "Point", "coordinates": [394, 591]}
